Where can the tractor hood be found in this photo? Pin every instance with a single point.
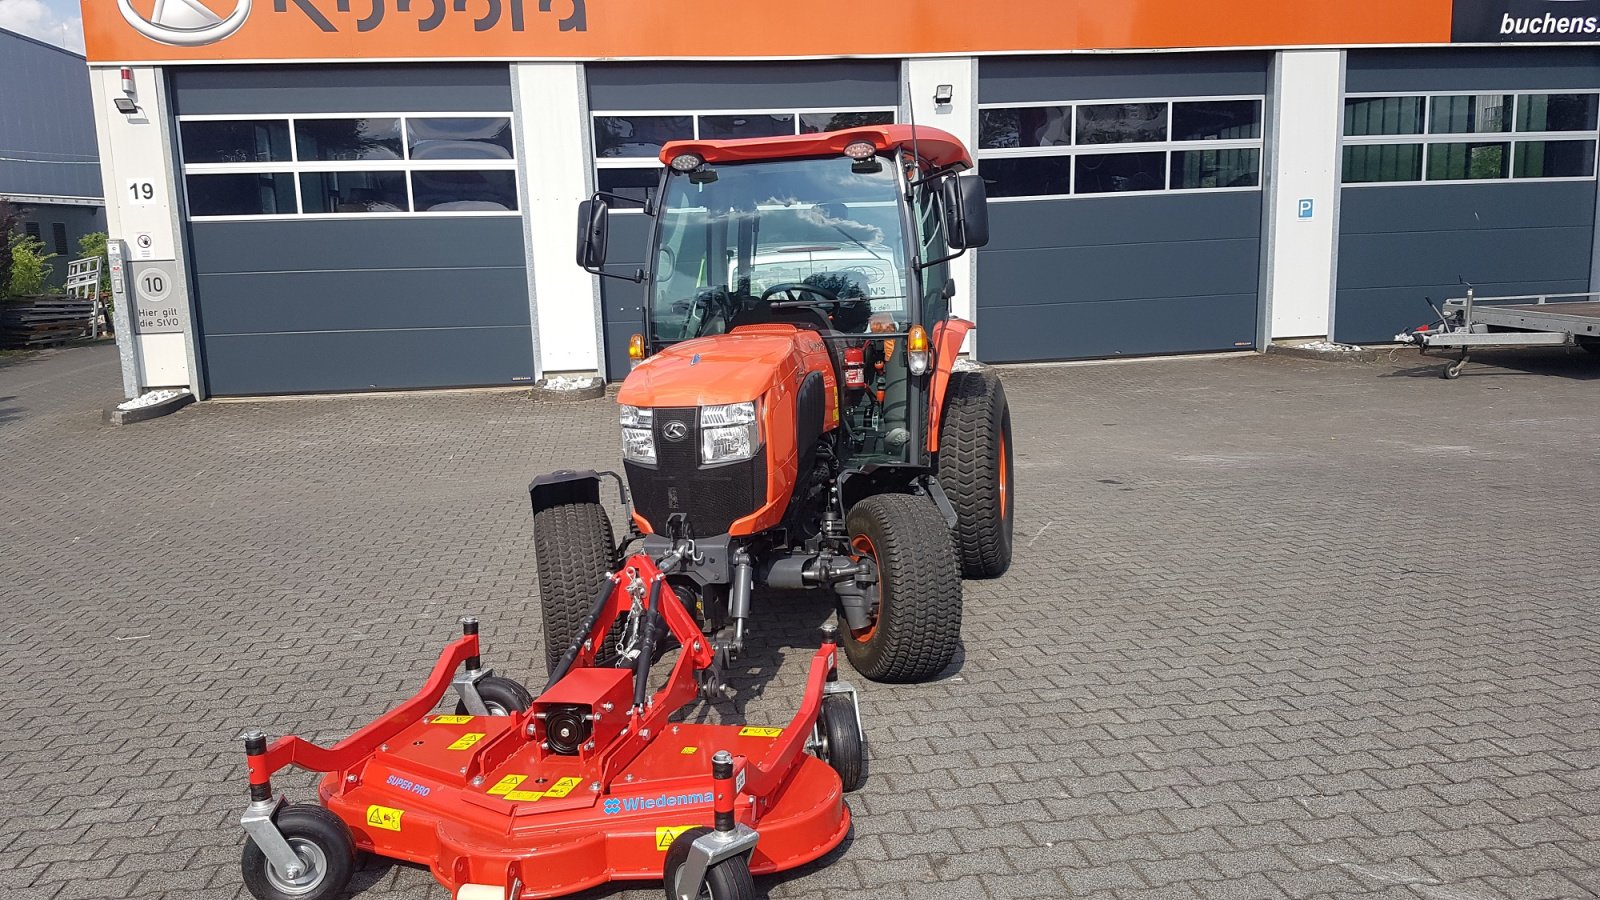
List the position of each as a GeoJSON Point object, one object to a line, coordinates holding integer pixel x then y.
{"type": "Point", "coordinates": [714, 370]}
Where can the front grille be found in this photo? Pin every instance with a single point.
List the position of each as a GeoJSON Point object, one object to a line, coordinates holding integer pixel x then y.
{"type": "Point", "coordinates": [712, 498]}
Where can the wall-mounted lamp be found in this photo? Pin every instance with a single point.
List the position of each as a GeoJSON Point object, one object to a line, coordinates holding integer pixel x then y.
{"type": "Point", "coordinates": [943, 94]}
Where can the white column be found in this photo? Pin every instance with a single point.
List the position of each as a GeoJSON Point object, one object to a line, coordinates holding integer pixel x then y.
{"type": "Point", "coordinates": [1301, 239]}
{"type": "Point", "coordinates": [136, 151]}
{"type": "Point", "coordinates": [552, 110]}
{"type": "Point", "coordinates": [921, 77]}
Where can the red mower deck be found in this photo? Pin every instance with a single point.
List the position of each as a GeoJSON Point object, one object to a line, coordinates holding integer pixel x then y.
{"type": "Point", "coordinates": [516, 798]}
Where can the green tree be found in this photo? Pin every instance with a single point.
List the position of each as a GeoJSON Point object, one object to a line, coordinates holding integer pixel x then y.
{"type": "Point", "coordinates": [10, 221]}
{"type": "Point", "coordinates": [30, 265]}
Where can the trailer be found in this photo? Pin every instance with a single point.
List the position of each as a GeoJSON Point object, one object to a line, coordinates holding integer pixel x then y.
{"type": "Point", "coordinates": [1533, 320]}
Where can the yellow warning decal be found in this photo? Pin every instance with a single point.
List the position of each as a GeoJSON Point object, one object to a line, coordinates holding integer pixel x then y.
{"type": "Point", "coordinates": [562, 787]}
{"type": "Point", "coordinates": [451, 720]}
{"type": "Point", "coordinates": [384, 817]}
{"type": "Point", "coordinates": [666, 834]}
{"type": "Point", "coordinates": [466, 741]}
{"type": "Point", "coordinates": [756, 731]}
{"type": "Point", "coordinates": [523, 796]}
{"type": "Point", "coordinates": [508, 783]}
{"type": "Point", "coordinates": [689, 751]}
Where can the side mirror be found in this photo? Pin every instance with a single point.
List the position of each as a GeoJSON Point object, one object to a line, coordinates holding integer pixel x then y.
{"type": "Point", "coordinates": [966, 210]}
{"type": "Point", "coordinates": [593, 233]}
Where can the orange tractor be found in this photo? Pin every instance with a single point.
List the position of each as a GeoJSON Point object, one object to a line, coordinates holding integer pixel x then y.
{"type": "Point", "coordinates": [796, 417]}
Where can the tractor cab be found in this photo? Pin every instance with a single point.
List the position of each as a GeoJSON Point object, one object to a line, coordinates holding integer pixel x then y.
{"type": "Point", "coordinates": [846, 234]}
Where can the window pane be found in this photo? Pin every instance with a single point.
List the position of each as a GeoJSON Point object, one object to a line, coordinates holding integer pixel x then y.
{"type": "Point", "coordinates": [1466, 115]}
{"type": "Point", "coordinates": [1555, 159]}
{"type": "Point", "coordinates": [812, 123]}
{"type": "Point", "coordinates": [343, 139]}
{"type": "Point", "coordinates": [638, 184]}
{"type": "Point", "coordinates": [1027, 176]}
{"type": "Point", "coordinates": [1025, 126]}
{"type": "Point", "coordinates": [716, 128]}
{"type": "Point", "coordinates": [455, 191]}
{"type": "Point", "coordinates": [1451, 162]}
{"type": "Point", "coordinates": [460, 138]}
{"type": "Point", "coordinates": [1122, 123]}
{"type": "Point", "coordinates": [1216, 168]}
{"type": "Point", "coordinates": [638, 136]}
{"type": "Point", "coordinates": [241, 194]}
{"type": "Point", "coordinates": [1103, 173]}
{"type": "Point", "coordinates": [1216, 120]}
{"type": "Point", "coordinates": [1382, 115]}
{"type": "Point", "coordinates": [353, 192]}
{"type": "Point", "coordinates": [1382, 162]}
{"type": "Point", "coordinates": [265, 140]}
{"type": "Point", "coordinates": [1556, 112]}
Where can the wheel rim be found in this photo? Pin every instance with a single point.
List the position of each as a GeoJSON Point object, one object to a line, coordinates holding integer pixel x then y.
{"type": "Point", "coordinates": [1005, 478]}
{"type": "Point", "coordinates": [496, 709]}
{"type": "Point", "coordinates": [862, 545]}
{"type": "Point", "coordinates": [315, 863]}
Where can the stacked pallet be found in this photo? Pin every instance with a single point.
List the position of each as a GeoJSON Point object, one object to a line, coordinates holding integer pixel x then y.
{"type": "Point", "coordinates": [42, 321]}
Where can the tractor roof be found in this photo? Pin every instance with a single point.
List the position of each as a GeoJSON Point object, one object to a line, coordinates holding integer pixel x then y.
{"type": "Point", "coordinates": [939, 147]}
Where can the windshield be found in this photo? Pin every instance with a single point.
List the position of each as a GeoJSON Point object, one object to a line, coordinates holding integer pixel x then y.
{"type": "Point", "coordinates": [731, 232]}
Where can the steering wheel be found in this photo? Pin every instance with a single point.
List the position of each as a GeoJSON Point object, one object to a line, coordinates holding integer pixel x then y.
{"type": "Point", "coordinates": [794, 288]}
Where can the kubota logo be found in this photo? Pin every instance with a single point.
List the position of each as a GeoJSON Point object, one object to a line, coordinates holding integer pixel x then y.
{"type": "Point", "coordinates": [186, 23]}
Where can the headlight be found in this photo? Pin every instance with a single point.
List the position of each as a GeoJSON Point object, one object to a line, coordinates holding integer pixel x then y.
{"type": "Point", "coordinates": [728, 433]}
{"type": "Point", "coordinates": [638, 442]}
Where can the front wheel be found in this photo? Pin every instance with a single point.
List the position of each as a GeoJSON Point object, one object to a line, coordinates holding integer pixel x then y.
{"type": "Point", "coordinates": [574, 549]}
{"type": "Point", "coordinates": [914, 628]}
{"type": "Point", "coordinates": [327, 857]}
{"type": "Point", "coordinates": [726, 880]}
{"type": "Point", "coordinates": [843, 747]}
{"type": "Point", "coordinates": [975, 471]}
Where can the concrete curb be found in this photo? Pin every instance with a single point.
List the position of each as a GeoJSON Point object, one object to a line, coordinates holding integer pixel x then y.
{"type": "Point", "coordinates": [566, 394]}
{"type": "Point", "coordinates": [1386, 353]}
{"type": "Point", "coordinates": [114, 416]}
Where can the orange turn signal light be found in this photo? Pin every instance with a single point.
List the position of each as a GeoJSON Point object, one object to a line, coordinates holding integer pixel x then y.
{"type": "Point", "coordinates": [636, 347]}
{"type": "Point", "coordinates": [917, 340]}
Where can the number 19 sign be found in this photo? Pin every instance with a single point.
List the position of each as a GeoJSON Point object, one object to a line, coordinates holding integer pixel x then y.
{"type": "Point", "coordinates": [140, 192]}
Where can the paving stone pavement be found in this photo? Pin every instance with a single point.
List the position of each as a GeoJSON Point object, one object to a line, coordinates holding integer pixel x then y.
{"type": "Point", "coordinates": [1276, 628]}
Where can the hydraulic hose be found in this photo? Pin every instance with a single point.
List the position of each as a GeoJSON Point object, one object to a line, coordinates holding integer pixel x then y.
{"type": "Point", "coordinates": [647, 647]}
{"type": "Point", "coordinates": [567, 659]}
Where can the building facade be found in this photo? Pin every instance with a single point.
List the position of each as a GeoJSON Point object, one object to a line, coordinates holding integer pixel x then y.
{"type": "Point", "coordinates": [49, 164]}
{"type": "Point", "coordinates": [344, 197]}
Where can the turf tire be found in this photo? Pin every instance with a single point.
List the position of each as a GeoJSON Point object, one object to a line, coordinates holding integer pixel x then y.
{"type": "Point", "coordinates": [501, 695]}
{"type": "Point", "coordinates": [727, 880]}
{"type": "Point", "coordinates": [574, 548]}
{"type": "Point", "coordinates": [918, 625]}
{"type": "Point", "coordinates": [317, 835]}
{"type": "Point", "coordinates": [976, 472]}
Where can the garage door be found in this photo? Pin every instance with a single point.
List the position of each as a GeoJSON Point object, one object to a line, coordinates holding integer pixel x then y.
{"type": "Point", "coordinates": [354, 228]}
{"type": "Point", "coordinates": [637, 108]}
{"type": "Point", "coordinates": [1463, 166]}
{"type": "Point", "coordinates": [1125, 205]}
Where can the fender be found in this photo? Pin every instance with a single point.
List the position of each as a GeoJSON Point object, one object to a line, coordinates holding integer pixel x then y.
{"type": "Point", "coordinates": [947, 338]}
{"type": "Point", "coordinates": [564, 486]}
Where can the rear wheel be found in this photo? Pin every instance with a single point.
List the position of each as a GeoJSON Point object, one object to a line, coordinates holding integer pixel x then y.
{"type": "Point", "coordinates": [975, 471]}
{"type": "Point", "coordinates": [574, 548]}
{"type": "Point", "coordinates": [915, 626]}
{"type": "Point", "coordinates": [501, 696]}
{"type": "Point", "coordinates": [842, 745]}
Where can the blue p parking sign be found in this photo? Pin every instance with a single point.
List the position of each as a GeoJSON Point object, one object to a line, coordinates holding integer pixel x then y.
{"type": "Point", "coordinates": [1305, 207]}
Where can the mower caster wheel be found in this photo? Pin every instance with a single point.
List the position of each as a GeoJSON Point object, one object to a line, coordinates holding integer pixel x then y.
{"type": "Point", "coordinates": [842, 745]}
{"type": "Point", "coordinates": [502, 696]}
{"type": "Point", "coordinates": [327, 855]}
{"type": "Point", "coordinates": [727, 880]}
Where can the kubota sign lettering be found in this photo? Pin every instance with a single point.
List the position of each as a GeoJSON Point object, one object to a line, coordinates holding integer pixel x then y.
{"type": "Point", "coordinates": [131, 31]}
